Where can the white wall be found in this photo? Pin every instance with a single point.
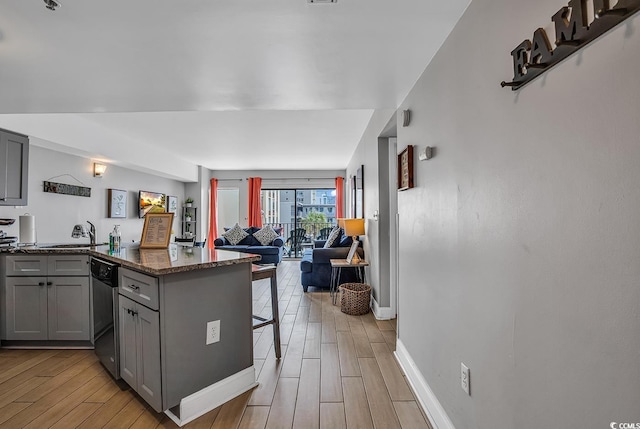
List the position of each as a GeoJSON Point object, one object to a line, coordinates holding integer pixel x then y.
{"type": "Point", "coordinates": [56, 214]}
{"type": "Point", "coordinates": [520, 245]}
{"type": "Point", "coordinates": [273, 179]}
{"type": "Point", "coordinates": [366, 154]}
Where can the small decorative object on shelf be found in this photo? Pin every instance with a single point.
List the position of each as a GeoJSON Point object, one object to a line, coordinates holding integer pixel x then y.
{"type": "Point", "coordinates": [189, 218]}
{"type": "Point", "coordinates": [188, 202]}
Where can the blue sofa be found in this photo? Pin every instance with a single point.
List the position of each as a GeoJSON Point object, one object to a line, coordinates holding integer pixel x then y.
{"type": "Point", "coordinates": [315, 266]}
{"type": "Point", "coordinates": [271, 254]}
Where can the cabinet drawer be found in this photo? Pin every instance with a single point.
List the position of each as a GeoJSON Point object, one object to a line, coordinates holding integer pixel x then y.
{"type": "Point", "coordinates": [139, 287]}
{"type": "Point", "coordinates": [26, 265]}
{"type": "Point", "coordinates": [68, 265]}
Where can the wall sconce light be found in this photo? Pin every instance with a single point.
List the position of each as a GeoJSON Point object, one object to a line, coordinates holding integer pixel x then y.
{"type": "Point", "coordinates": [99, 169]}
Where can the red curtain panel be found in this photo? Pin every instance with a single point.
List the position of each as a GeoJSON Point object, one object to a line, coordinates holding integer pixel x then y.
{"type": "Point", "coordinates": [255, 211]}
{"type": "Point", "coordinates": [213, 213]}
{"type": "Point", "coordinates": [339, 197]}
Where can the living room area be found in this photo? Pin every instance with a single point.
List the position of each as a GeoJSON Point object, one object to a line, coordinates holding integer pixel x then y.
{"type": "Point", "coordinates": [302, 207]}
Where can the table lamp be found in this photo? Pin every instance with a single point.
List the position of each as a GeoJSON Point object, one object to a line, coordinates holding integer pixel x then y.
{"type": "Point", "coordinates": [354, 228]}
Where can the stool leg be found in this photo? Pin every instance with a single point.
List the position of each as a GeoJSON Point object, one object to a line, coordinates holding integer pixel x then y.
{"type": "Point", "coordinates": [275, 314]}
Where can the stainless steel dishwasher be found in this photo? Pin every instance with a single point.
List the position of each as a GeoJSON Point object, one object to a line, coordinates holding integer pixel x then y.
{"type": "Point", "coordinates": [104, 279]}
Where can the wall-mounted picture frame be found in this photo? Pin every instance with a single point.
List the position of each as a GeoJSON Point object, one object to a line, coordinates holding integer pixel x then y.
{"type": "Point", "coordinates": [116, 203]}
{"type": "Point", "coordinates": [172, 204]}
{"type": "Point", "coordinates": [405, 169]}
{"type": "Point", "coordinates": [358, 185]}
{"type": "Point", "coordinates": [151, 202]}
{"type": "Point", "coordinates": [156, 232]}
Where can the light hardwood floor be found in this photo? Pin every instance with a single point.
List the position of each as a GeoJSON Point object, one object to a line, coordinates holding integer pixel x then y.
{"type": "Point", "coordinates": [337, 371]}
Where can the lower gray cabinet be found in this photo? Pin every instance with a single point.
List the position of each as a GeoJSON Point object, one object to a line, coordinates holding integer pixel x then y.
{"type": "Point", "coordinates": [26, 308]}
{"type": "Point", "coordinates": [140, 350]}
{"type": "Point", "coordinates": [68, 304]}
{"type": "Point", "coordinates": [46, 297]}
{"type": "Point", "coordinates": [47, 308]}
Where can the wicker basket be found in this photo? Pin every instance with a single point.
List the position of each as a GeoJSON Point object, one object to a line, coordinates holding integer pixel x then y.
{"type": "Point", "coordinates": [355, 298]}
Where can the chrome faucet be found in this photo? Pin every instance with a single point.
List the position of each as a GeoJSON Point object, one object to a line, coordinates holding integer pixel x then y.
{"type": "Point", "coordinates": [92, 233]}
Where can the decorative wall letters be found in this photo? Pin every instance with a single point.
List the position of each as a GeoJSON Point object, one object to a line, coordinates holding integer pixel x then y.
{"type": "Point", "coordinates": [533, 57]}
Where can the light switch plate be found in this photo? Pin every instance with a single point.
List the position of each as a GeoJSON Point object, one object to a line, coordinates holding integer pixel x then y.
{"type": "Point", "coordinates": [465, 380]}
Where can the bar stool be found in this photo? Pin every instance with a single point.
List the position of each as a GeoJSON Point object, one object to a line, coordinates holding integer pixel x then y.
{"type": "Point", "coordinates": [259, 272]}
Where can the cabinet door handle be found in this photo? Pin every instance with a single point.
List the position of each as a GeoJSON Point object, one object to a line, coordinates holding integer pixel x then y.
{"type": "Point", "coordinates": [3, 199]}
{"type": "Point", "coordinates": [41, 284]}
{"type": "Point", "coordinates": [49, 283]}
{"type": "Point", "coordinates": [134, 287]}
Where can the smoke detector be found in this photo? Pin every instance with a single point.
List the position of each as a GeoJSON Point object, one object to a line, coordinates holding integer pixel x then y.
{"type": "Point", "coordinates": [52, 4]}
{"type": "Point", "coordinates": [322, 1]}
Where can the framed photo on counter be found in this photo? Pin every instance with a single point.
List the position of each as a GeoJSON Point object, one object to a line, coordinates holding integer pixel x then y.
{"type": "Point", "coordinates": [156, 232]}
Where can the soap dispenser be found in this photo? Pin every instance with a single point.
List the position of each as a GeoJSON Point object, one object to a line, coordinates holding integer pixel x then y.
{"type": "Point", "coordinates": [116, 237]}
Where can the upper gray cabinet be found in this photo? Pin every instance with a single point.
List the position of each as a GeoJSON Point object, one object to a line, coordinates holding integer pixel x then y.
{"type": "Point", "coordinates": [14, 168]}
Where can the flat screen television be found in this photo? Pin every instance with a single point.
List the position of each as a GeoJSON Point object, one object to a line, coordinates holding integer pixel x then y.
{"type": "Point", "coordinates": [151, 202]}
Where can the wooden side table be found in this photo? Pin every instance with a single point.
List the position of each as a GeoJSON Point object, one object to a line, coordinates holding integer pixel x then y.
{"type": "Point", "coordinates": [336, 269]}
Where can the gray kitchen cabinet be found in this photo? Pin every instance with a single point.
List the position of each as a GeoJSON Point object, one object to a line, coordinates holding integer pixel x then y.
{"type": "Point", "coordinates": [26, 308]}
{"type": "Point", "coordinates": [14, 168]}
{"type": "Point", "coordinates": [164, 355]}
{"type": "Point", "coordinates": [68, 304]}
{"type": "Point", "coordinates": [139, 350]}
{"type": "Point", "coordinates": [48, 306]}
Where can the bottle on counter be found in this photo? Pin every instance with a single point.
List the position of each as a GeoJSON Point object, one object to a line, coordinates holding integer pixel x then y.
{"type": "Point", "coordinates": [116, 237]}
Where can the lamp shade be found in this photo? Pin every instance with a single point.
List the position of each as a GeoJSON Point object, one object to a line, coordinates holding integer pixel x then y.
{"type": "Point", "coordinates": [354, 227]}
{"type": "Point", "coordinates": [99, 169]}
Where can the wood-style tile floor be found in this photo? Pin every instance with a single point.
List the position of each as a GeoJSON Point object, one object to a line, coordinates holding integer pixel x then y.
{"type": "Point", "coordinates": [337, 371]}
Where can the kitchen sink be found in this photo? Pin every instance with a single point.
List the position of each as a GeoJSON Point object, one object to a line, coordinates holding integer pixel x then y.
{"type": "Point", "coordinates": [71, 246]}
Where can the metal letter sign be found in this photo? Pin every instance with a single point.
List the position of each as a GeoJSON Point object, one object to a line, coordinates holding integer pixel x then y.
{"type": "Point", "coordinates": [533, 57]}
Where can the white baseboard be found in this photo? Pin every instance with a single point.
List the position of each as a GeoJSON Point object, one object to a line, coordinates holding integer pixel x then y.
{"type": "Point", "coordinates": [382, 313]}
{"type": "Point", "coordinates": [205, 400]}
{"type": "Point", "coordinates": [424, 394]}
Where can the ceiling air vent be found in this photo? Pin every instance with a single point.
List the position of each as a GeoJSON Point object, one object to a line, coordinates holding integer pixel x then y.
{"type": "Point", "coordinates": [322, 1]}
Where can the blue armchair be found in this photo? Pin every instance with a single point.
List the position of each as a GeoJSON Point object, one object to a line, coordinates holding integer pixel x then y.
{"type": "Point", "coordinates": [315, 266]}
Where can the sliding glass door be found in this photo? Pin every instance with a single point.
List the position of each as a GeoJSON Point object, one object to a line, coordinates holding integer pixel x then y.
{"type": "Point", "coordinates": [303, 215]}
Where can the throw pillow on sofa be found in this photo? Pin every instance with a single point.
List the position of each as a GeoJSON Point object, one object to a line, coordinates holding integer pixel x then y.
{"type": "Point", "coordinates": [235, 235]}
{"type": "Point", "coordinates": [265, 236]}
{"type": "Point", "coordinates": [334, 237]}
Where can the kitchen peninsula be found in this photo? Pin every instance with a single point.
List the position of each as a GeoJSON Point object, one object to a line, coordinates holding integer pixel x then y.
{"type": "Point", "coordinates": [167, 298]}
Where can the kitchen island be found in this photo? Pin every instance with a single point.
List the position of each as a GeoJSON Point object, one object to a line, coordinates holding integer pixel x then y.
{"type": "Point", "coordinates": [168, 299]}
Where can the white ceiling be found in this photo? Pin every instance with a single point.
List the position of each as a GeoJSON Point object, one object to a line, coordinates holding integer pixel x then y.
{"type": "Point", "coordinates": [226, 84]}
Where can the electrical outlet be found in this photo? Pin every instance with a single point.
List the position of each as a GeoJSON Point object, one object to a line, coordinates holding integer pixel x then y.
{"type": "Point", "coordinates": [213, 332]}
{"type": "Point", "coordinates": [465, 380]}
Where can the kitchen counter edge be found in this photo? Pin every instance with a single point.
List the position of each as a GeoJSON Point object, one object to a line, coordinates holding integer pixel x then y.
{"type": "Point", "coordinates": [133, 262]}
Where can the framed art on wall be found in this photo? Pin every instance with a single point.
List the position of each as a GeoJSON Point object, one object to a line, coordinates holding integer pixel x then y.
{"type": "Point", "coordinates": [405, 169]}
{"type": "Point", "coordinates": [172, 204]}
{"type": "Point", "coordinates": [117, 203]}
{"type": "Point", "coordinates": [358, 193]}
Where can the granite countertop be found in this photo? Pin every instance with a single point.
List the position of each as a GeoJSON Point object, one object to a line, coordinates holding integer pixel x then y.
{"type": "Point", "coordinates": [175, 259]}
